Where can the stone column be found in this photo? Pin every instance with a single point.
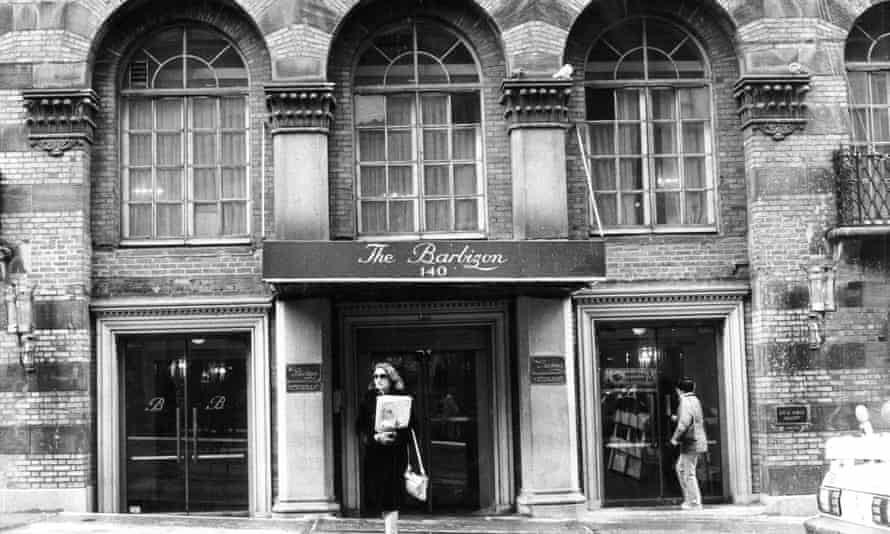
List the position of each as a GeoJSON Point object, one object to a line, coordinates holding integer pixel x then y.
{"type": "Point", "coordinates": [548, 422]}
{"type": "Point", "coordinates": [537, 114]}
{"type": "Point", "coordinates": [300, 115]}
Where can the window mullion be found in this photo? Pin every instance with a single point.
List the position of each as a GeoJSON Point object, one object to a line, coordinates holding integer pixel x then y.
{"type": "Point", "coordinates": [187, 188]}
{"type": "Point", "coordinates": [681, 161]}
{"type": "Point", "coordinates": [419, 159]}
{"type": "Point", "coordinates": [154, 169]}
{"type": "Point", "coordinates": [646, 167]}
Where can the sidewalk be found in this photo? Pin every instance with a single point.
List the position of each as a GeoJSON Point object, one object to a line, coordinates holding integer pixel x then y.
{"type": "Point", "coordinates": [611, 520]}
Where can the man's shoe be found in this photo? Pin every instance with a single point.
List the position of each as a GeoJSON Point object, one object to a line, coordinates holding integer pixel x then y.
{"type": "Point", "coordinates": [686, 506]}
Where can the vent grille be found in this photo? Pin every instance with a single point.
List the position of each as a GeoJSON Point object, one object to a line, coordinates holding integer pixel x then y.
{"type": "Point", "coordinates": [139, 74]}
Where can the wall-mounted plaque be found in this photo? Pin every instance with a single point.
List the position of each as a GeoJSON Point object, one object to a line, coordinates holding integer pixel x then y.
{"type": "Point", "coordinates": [792, 415]}
{"type": "Point", "coordinates": [548, 370]}
{"type": "Point", "coordinates": [303, 377]}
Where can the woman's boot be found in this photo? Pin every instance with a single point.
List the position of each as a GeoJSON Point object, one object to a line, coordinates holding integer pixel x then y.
{"type": "Point", "coordinates": [391, 522]}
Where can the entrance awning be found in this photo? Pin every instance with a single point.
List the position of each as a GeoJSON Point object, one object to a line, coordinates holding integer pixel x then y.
{"type": "Point", "coordinates": [434, 262]}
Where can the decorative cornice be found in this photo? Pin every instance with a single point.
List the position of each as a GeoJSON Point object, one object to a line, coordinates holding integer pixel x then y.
{"type": "Point", "coordinates": [649, 294]}
{"type": "Point", "coordinates": [773, 104]}
{"type": "Point", "coordinates": [378, 309]}
{"type": "Point", "coordinates": [300, 107]}
{"type": "Point", "coordinates": [163, 307]}
{"type": "Point", "coordinates": [536, 103]}
{"type": "Point", "coordinates": [60, 119]}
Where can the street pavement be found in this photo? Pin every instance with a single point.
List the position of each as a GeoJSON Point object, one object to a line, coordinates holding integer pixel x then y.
{"type": "Point", "coordinates": [717, 519]}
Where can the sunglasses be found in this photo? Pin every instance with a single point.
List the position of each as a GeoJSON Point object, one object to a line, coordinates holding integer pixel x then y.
{"type": "Point", "coordinates": [380, 375]}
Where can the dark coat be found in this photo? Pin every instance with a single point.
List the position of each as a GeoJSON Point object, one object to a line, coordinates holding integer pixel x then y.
{"type": "Point", "coordinates": [384, 464]}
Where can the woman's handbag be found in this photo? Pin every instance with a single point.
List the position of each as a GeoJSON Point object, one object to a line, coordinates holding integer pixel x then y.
{"type": "Point", "coordinates": [416, 484]}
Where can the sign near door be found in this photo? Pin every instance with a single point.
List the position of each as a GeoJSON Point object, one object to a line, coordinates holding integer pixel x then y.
{"type": "Point", "coordinates": [303, 377]}
{"type": "Point", "coordinates": [548, 370]}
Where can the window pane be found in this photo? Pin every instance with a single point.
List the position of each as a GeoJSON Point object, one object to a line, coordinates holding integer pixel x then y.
{"type": "Point", "coordinates": [695, 172]}
{"type": "Point", "coordinates": [206, 220]}
{"type": "Point", "coordinates": [169, 149]}
{"type": "Point", "coordinates": [234, 218]}
{"type": "Point", "coordinates": [694, 103]}
{"type": "Point", "coordinates": [430, 71]}
{"type": "Point", "coordinates": [629, 139]}
{"type": "Point", "coordinates": [230, 69]}
{"type": "Point", "coordinates": [170, 220]}
{"type": "Point", "coordinates": [398, 110]}
{"type": "Point", "coordinates": [608, 209]}
{"type": "Point", "coordinates": [693, 137]}
{"type": "Point", "coordinates": [603, 174]}
{"type": "Point", "coordinates": [860, 124]}
{"type": "Point", "coordinates": [169, 184]}
{"type": "Point", "coordinates": [858, 88]}
{"type": "Point", "coordinates": [664, 138]}
{"type": "Point", "coordinates": [696, 210]}
{"type": "Point", "coordinates": [438, 215]}
{"type": "Point", "coordinates": [631, 67]}
{"type": "Point", "coordinates": [878, 87]}
{"type": "Point", "coordinates": [667, 208]}
{"type": "Point", "coordinates": [369, 110]}
{"type": "Point", "coordinates": [140, 114]}
{"type": "Point", "coordinates": [631, 170]}
{"type": "Point", "coordinates": [140, 149]}
{"type": "Point", "coordinates": [169, 114]}
{"type": "Point", "coordinates": [435, 109]}
{"type": "Point", "coordinates": [400, 146]}
{"type": "Point", "coordinates": [600, 104]}
{"type": "Point", "coordinates": [372, 181]}
{"type": "Point", "coordinates": [602, 138]}
{"type": "Point", "coordinates": [465, 108]}
{"type": "Point", "coordinates": [466, 214]}
{"type": "Point", "coordinates": [436, 180]}
{"type": "Point", "coordinates": [461, 65]}
{"type": "Point", "coordinates": [200, 75]}
{"type": "Point", "coordinates": [435, 145]}
{"type": "Point", "coordinates": [371, 145]}
{"type": "Point", "coordinates": [204, 113]}
{"type": "Point", "coordinates": [373, 217]}
{"type": "Point", "coordinates": [688, 61]}
{"type": "Point", "coordinates": [465, 143]}
{"type": "Point", "coordinates": [233, 148]}
{"type": "Point", "coordinates": [465, 182]}
{"type": "Point", "coordinates": [661, 66]}
{"type": "Point", "coordinates": [663, 104]}
{"type": "Point", "coordinates": [205, 184]}
{"type": "Point", "coordinates": [170, 76]}
{"type": "Point", "coordinates": [140, 220]}
{"type": "Point", "coordinates": [234, 183]}
{"type": "Point", "coordinates": [370, 68]}
{"type": "Point", "coordinates": [627, 104]}
{"type": "Point", "coordinates": [232, 110]}
{"type": "Point", "coordinates": [880, 128]}
{"type": "Point", "coordinates": [401, 216]}
{"type": "Point", "coordinates": [401, 181]}
{"type": "Point", "coordinates": [140, 184]}
{"type": "Point", "coordinates": [401, 72]}
{"type": "Point", "coordinates": [204, 149]}
{"type": "Point", "coordinates": [666, 175]}
{"type": "Point", "coordinates": [632, 209]}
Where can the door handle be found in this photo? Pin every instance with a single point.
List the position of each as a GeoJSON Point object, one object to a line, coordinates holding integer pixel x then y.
{"type": "Point", "coordinates": [178, 437]}
{"type": "Point", "coordinates": [195, 434]}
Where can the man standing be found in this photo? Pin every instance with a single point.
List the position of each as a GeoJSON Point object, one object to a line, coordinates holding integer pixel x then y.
{"type": "Point", "coordinates": [690, 437]}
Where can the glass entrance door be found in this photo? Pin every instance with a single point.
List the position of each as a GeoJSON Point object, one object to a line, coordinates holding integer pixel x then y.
{"type": "Point", "coordinates": [185, 400]}
{"type": "Point", "coordinates": [446, 370]}
{"type": "Point", "coordinates": [639, 365]}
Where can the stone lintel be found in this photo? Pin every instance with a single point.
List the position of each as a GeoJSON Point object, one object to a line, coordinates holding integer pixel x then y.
{"type": "Point", "coordinates": [60, 119]}
{"type": "Point", "coordinates": [300, 106]}
{"type": "Point", "coordinates": [536, 102]}
{"type": "Point", "coordinates": [772, 103]}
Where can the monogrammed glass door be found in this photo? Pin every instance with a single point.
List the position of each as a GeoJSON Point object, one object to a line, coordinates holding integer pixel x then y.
{"type": "Point", "coordinates": [185, 401]}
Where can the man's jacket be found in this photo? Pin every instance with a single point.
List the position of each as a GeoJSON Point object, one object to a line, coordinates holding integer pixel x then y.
{"type": "Point", "coordinates": [690, 431]}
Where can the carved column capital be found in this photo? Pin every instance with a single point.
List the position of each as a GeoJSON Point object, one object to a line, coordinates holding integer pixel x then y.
{"type": "Point", "coordinates": [60, 119]}
{"type": "Point", "coordinates": [773, 103]}
{"type": "Point", "coordinates": [300, 106]}
{"type": "Point", "coordinates": [536, 102]}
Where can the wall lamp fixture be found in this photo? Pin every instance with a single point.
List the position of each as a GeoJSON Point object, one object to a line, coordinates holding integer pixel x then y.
{"type": "Point", "coordinates": [821, 278]}
{"type": "Point", "coordinates": [19, 304]}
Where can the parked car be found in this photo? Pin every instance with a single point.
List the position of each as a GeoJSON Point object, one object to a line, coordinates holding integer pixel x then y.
{"type": "Point", "coordinates": [854, 496]}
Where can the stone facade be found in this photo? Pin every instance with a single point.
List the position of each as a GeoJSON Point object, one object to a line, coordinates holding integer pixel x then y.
{"type": "Point", "coordinates": [60, 195]}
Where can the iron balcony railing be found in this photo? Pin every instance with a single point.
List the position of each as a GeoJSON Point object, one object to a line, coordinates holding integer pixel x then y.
{"type": "Point", "coordinates": [863, 187]}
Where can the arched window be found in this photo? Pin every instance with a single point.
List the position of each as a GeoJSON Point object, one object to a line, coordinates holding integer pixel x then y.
{"type": "Point", "coordinates": [867, 56]}
{"type": "Point", "coordinates": [650, 132]}
{"type": "Point", "coordinates": [418, 119]}
{"type": "Point", "coordinates": [184, 139]}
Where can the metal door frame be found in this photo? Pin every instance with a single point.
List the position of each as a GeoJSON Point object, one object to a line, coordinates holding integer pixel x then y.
{"type": "Point", "coordinates": [491, 314]}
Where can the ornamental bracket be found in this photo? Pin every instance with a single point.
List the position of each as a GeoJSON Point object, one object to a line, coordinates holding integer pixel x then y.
{"type": "Point", "coordinates": [536, 103]}
{"type": "Point", "coordinates": [773, 103]}
{"type": "Point", "coordinates": [60, 119]}
{"type": "Point", "coordinates": [300, 106]}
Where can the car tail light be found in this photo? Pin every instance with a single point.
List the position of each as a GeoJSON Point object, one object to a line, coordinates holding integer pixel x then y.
{"type": "Point", "coordinates": [879, 510]}
{"type": "Point", "coordinates": [830, 501]}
